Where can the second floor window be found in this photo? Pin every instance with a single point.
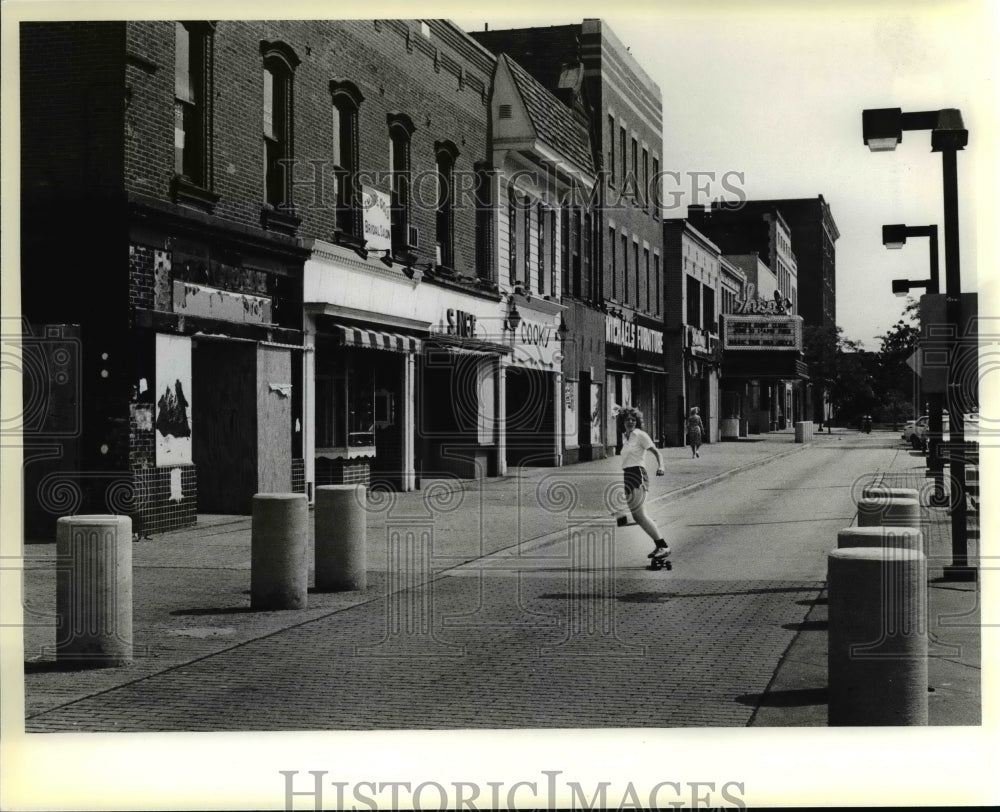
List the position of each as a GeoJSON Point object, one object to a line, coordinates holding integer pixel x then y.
{"type": "Point", "coordinates": [693, 302]}
{"type": "Point", "coordinates": [656, 282]}
{"type": "Point", "coordinates": [625, 289]}
{"type": "Point", "coordinates": [400, 130]}
{"type": "Point", "coordinates": [347, 100]}
{"type": "Point", "coordinates": [708, 308]}
{"type": "Point", "coordinates": [279, 67]}
{"type": "Point", "coordinates": [446, 154]}
{"type": "Point", "coordinates": [645, 260]}
{"type": "Point", "coordinates": [192, 102]}
{"type": "Point", "coordinates": [541, 249]}
{"type": "Point", "coordinates": [614, 262]}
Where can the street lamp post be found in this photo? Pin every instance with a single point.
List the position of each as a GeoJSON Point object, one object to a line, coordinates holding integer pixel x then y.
{"type": "Point", "coordinates": [894, 236]}
{"type": "Point", "coordinates": [883, 130]}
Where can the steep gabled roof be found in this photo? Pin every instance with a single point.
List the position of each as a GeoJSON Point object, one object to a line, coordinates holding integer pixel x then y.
{"type": "Point", "coordinates": [554, 123]}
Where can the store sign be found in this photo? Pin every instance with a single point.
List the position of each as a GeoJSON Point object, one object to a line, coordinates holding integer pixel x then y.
{"type": "Point", "coordinates": [378, 231]}
{"type": "Point", "coordinates": [758, 306]}
{"type": "Point", "coordinates": [648, 340]}
{"type": "Point", "coordinates": [623, 332]}
{"type": "Point", "coordinates": [618, 330]}
{"type": "Point", "coordinates": [536, 344]}
{"type": "Point", "coordinates": [762, 333]}
{"type": "Point", "coordinates": [459, 323]}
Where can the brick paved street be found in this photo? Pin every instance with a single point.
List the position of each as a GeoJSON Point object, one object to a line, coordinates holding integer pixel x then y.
{"type": "Point", "coordinates": [555, 636]}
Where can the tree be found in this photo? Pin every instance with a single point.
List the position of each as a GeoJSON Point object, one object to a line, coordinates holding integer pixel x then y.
{"type": "Point", "coordinates": [842, 368]}
{"type": "Point", "coordinates": [896, 382]}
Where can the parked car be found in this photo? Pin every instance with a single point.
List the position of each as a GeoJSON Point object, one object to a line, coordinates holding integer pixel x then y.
{"type": "Point", "coordinates": [910, 432]}
{"type": "Point", "coordinates": [970, 429]}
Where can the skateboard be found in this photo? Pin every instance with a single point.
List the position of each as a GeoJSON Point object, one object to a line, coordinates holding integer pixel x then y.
{"type": "Point", "coordinates": [661, 563]}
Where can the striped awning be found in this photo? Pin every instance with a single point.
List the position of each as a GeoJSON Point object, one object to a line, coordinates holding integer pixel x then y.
{"type": "Point", "coordinates": [376, 339]}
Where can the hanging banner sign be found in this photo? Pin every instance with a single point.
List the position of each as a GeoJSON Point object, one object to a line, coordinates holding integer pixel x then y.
{"type": "Point", "coordinates": [378, 231]}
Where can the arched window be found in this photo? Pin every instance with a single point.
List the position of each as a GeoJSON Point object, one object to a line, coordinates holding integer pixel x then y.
{"type": "Point", "coordinates": [400, 131]}
{"type": "Point", "coordinates": [446, 154]}
{"type": "Point", "coordinates": [193, 58]}
{"type": "Point", "coordinates": [280, 62]}
{"type": "Point", "coordinates": [347, 101]}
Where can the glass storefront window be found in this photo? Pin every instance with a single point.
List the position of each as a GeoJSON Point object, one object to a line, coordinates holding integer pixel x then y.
{"type": "Point", "coordinates": [345, 402]}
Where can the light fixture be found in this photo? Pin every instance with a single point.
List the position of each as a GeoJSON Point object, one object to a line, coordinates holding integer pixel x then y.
{"type": "Point", "coordinates": [882, 129]}
{"type": "Point", "coordinates": [386, 259]}
{"type": "Point", "coordinates": [903, 286]}
{"type": "Point", "coordinates": [562, 329]}
{"type": "Point", "coordinates": [894, 236]}
{"type": "Point", "coordinates": [513, 317]}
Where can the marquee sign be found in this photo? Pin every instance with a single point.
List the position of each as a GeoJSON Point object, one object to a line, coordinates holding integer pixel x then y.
{"type": "Point", "coordinates": [762, 333]}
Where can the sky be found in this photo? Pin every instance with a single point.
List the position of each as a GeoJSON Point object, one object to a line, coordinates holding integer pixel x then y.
{"type": "Point", "coordinates": [775, 91]}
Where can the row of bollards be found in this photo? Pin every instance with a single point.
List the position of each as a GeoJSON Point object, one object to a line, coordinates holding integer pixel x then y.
{"type": "Point", "coordinates": [279, 567]}
{"type": "Point", "coordinates": [877, 584]}
{"type": "Point", "coordinates": [94, 573]}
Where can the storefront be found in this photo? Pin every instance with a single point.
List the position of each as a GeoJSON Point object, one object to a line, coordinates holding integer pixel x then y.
{"type": "Point", "coordinates": [541, 407]}
{"type": "Point", "coordinates": [460, 422]}
{"type": "Point", "coordinates": [583, 383]}
{"type": "Point", "coordinates": [635, 374]}
{"type": "Point", "coordinates": [701, 383]}
{"type": "Point", "coordinates": [763, 370]}
{"type": "Point", "coordinates": [403, 380]}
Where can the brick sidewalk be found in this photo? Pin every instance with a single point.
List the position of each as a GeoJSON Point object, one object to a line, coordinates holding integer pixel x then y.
{"type": "Point", "coordinates": [797, 695]}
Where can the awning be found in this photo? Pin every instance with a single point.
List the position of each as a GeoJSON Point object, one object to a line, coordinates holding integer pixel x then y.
{"type": "Point", "coordinates": [375, 339]}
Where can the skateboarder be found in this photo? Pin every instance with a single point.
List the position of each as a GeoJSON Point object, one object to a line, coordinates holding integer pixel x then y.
{"type": "Point", "coordinates": [634, 447]}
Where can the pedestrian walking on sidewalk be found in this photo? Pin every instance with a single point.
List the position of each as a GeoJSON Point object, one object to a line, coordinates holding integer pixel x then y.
{"type": "Point", "coordinates": [695, 430]}
{"type": "Point", "coordinates": [636, 444]}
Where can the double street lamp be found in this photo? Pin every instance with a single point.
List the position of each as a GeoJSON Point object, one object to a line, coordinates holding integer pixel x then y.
{"type": "Point", "coordinates": [883, 129]}
{"type": "Point", "coordinates": [894, 236]}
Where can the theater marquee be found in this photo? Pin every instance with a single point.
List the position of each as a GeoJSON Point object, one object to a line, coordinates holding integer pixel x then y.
{"type": "Point", "coordinates": [762, 333]}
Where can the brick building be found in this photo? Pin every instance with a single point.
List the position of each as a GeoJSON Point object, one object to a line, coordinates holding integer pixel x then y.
{"type": "Point", "coordinates": [296, 261]}
{"type": "Point", "coordinates": [616, 311]}
{"type": "Point", "coordinates": [803, 228]}
{"type": "Point", "coordinates": [693, 275]}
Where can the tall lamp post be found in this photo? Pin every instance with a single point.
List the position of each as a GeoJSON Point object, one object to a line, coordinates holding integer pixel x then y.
{"type": "Point", "coordinates": [894, 236]}
{"type": "Point", "coordinates": [883, 129]}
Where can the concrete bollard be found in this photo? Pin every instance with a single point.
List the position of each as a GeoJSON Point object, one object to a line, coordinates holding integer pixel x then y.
{"type": "Point", "coordinates": [94, 590]}
{"type": "Point", "coordinates": [906, 538]}
{"type": "Point", "coordinates": [341, 528]}
{"type": "Point", "coordinates": [889, 511]}
{"type": "Point", "coordinates": [279, 543]}
{"type": "Point", "coordinates": [877, 661]}
{"type": "Point", "coordinates": [885, 492]}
